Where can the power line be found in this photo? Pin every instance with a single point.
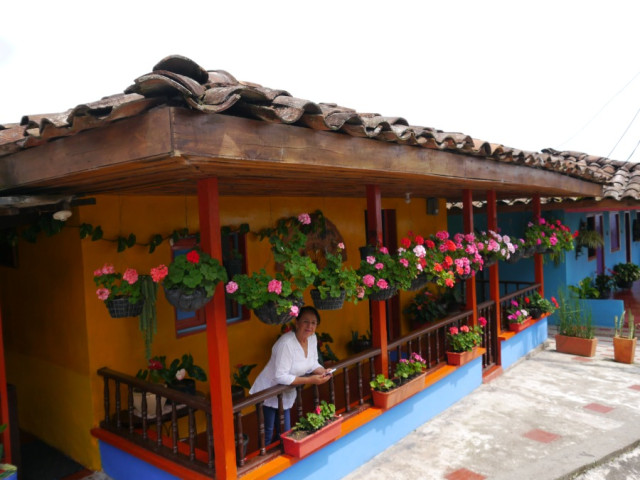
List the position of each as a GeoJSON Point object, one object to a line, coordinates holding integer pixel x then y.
{"type": "Point", "coordinates": [624, 133]}
{"type": "Point", "coordinates": [600, 111]}
{"type": "Point", "coordinates": [634, 151]}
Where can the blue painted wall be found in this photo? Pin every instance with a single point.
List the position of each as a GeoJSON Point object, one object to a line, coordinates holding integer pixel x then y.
{"type": "Point", "coordinates": [523, 342]}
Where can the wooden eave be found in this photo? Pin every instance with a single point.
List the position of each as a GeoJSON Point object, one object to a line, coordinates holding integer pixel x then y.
{"type": "Point", "coordinates": [166, 150]}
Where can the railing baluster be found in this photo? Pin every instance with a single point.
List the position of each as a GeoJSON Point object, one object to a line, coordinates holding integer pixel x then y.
{"type": "Point", "coordinates": [174, 428]}
{"type": "Point", "coordinates": [130, 407]}
{"type": "Point", "coordinates": [159, 420]}
{"type": "Point", "coordinates": [210, 462]}
{"type": "Point", "coordinates": [360, 384]}
{"type": "Point", "coordinates": [107, 417]}
{"type": "Point", "coordinates": [192, 434]}
{"type": "Point", "coordinates": [332, 390]}
{"type": "Point", "coordinates": [429, 341]}
{"type": "Point", "coordinates": [316, 396]}
{"type": "Point", "coordinates": [281, 410]}
{"type": "Point", "coordinates": [299, 400]}
{"type": "Point", "coordinates": [260, 413]}
{"type": "Point", "coordinates": [117, 392]}
{"type": "Point", "coordinates": [347, 391]}
{"type": "Point", "coordinates": [239, 440]}
{"type": "Point", "coordinates": [144, 415]}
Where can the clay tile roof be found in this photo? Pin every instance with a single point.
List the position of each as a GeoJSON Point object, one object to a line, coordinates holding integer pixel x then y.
{"type": "Point", "coordinates": [177, 80]}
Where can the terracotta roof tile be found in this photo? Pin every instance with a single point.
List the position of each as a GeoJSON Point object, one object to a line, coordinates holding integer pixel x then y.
{"type": "Point", "coordinates": [179, 80]}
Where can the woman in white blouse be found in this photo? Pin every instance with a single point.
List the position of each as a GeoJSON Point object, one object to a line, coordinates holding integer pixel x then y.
{"type": "Point", "coordinates": [294, 361]}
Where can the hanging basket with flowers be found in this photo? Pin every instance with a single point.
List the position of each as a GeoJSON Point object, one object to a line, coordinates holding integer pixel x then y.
{"type": "Point", "coordinates": [494, 247]}
{"type": "Point", "coordinates": [412, 255]}
{"type": "Point", "coordinates": [549, 236]}
{"type": "Point", "coordinates": [334, 282]}
{"type": "Point", "coordinates": [192, 279]}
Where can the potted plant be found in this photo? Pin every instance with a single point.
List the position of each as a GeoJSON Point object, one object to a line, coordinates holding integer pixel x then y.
{"type": "Point", "coordinates": [624, 344]}
{"type": "Point", "coordinates": [408, 380]}
{"type": "Point", "coordinates": [412, 255]}
{"type": "Point", "coordinates": [192, 279]}
{"type": "Point", "coordinates": [575, 328]}
{"type": "Point", "coordinates": [312, 431]}
{"type": "Point", "coordinates": [605, 284]}
{"type": "Point", "coordinates": [625, 274]}
{"type": "Point", "coordinates": [537, 305]}
{"type": "Point", "coordinates": [335, 282]}
{"type": "Point", "coordinates": [590, 239]}
{"type": "Point", "coordinates": [518, 317]}
{"type": "Point", "coordinates": [425, 308]}
{"type": "Point", "coordinates": [494, 247]}
{"type": "Point", "coordinates": [585, 289]}
{"type": "Point", "coordinates": [175, 375]}
{"type": "Point", "coordinates": [549, 236]}
{"type": "Point", "coordinates": [359, 343]}
{"type": "Point", "coordinates": [240, 381]}
{"type": "Point", "coordinates": [462, 257]}
{"type": "Point", "coordinates": [271, 297]}
{"type": "Point", "coordinates": [463, 342]}
{"type": "Point", "coordinates": [382, 275]}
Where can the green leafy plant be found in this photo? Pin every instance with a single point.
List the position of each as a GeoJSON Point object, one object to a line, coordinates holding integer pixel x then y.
{"type": "Point", "coordinates": [619, 324]}
{"type": "Point", "coordinates": [359, 343]}
{"type": "Point", "coordinates": [573, 319]}
{"type": "Point", "coordinates": [604, 283]}
{"type": "Point", "coordinates": [258, 288]}
{"type": "Point", "coordinates": [382, 271]}
{"type": "Point", "coordinates": [626, 272]}
{"type": "Point", "coordinates": [585, 289]}
{"type": "Point", "coordinates": [409, 367]}
{"type": "Point", "coordinates": [334, 277]}
{"type": "Point", "coordinates": [382, 383]}
{"type": "Point", "coordinates": [535, 300]}
{"type": "Point", "coordinates": [426, 307]}
{"type": "Point", "coordinates": [195, 270]}
{"type": "Point", "coordinates": [158, 372]}
{"type": "Point", "coordinates": [317, 419]}
{"type": "Point", "coordinates": [464, 338]}
{"type": "Point", "coordinates": [241, 375]}
{"type": "Point", "coordinates": [516, 313]}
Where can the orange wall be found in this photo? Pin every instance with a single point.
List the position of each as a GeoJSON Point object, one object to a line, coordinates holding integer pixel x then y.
{"type": "Point", "coordinates": [69, 330]}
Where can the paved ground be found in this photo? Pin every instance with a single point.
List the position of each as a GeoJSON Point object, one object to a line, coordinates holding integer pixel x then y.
{"type": "Point", "coordinates": [550, 416]}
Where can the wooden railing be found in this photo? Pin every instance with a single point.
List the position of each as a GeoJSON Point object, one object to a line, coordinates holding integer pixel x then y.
{"type": "Point", "coordinates": [166, 439]}
{"type": "Point", "coordinates": [429, 341]}
{"type": "Point", "coordinates": [490, 334]}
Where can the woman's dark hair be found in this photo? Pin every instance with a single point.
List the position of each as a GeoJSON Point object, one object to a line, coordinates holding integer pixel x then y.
{"type": "Point", "coordinates": [311, 309]}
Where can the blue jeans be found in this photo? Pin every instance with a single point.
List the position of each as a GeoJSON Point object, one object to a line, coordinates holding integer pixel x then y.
{"type": "Point", "coordinates": [272, 421]}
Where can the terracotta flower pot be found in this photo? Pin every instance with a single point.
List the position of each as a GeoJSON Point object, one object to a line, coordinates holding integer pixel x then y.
{"type": "Point", "coordinates": [518, 327]}
{"type": "Point", "coordinates": [460, 358]}
{"type": "Point", "coordinates": [585, 347]}
{"type": "Point", "coordinates": [399, 394]}
{"type": "Point", "coordinates": [310, 442]}
{"type": "Point", "coordinates": [624, 349]}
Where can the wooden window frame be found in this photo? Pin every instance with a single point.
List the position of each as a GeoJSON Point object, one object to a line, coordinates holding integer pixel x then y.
{"type": "Point", "coordinates": [591, 225]}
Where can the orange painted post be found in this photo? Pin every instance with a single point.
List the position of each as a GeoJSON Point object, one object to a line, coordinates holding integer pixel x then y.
{"type": "Point", "coordinates": [4, 401]}
{"type": "Point", "coordinates": [467, 220]}
{"type": "Point", "coordinates": [217, 342]}
{"type": "Point", "coordinates": [378, 308]}
{"type": "Point", "coordinates": [494, 279]}
{"type": "Point", "coordinates": [537, 259]}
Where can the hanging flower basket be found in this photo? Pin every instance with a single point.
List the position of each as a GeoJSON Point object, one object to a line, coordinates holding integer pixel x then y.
{"type": "Point", "coordinates": [517, 256]}
{"type": "Point", "coordinates": [268, 313]}
{"type": "Point", "coordinates": [120, 307]}
{"type": "Point", "coordinates": [187, 302]}
{"type": "Point", "coordinates": [382, 295]}
{"type": "Point", "coordinates": [488, 262]}
{"type": "Point", "coordinates": [419, 282]}
{"type": "Point", "coordinates": [529, 252]}
{"type": "Point", "coordinates": [367, 251]}
{"type": "Point", "coordinates": [329, 303]}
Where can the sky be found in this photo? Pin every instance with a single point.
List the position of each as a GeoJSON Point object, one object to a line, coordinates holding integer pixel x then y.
{"type": "Point", "coordinates": [528, 75]}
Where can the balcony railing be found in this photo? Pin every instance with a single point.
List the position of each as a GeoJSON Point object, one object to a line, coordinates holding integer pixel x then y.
{"type": "Point", "coordinates": [518, 295]}
{"type": "Point", "coordinates": [179, 426]}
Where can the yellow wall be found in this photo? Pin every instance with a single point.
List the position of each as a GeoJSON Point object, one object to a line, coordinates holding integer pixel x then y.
{"type": "Point", "coordinates": [67, 334]}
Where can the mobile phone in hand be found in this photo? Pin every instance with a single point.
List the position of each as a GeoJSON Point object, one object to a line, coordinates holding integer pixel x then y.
{"type": "Point", "coordinates": [330, 371]}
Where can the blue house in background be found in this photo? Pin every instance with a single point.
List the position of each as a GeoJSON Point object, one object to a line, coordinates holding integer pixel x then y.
{"type": "Point", "coordinates": [616, 216]}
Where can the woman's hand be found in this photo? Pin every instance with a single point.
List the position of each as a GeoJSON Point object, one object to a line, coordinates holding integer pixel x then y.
{"type": "Point", "coordinates": [319, 379]}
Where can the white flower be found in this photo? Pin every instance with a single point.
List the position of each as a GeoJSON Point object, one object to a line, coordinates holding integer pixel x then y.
{"type": "Point", "coordinates": [419, 251]}
{"type": "Point", "coordinates": [180, 374]}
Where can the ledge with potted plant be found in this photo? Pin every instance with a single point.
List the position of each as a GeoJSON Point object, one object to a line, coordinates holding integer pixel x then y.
{"type": "Point", "coordinates": [312, 431]}
{"type": "Point", "coordinates": [625, 274]}
{"type": "Point", "coordinates": [463, 342]}
{"type": "Point", "coordinates": [538, 306]}
{"type": "Point", "coordinates": [605, 284]}
{"type": "Point", "coordinates": [624, 344]}
{"type": "Point", "coordinates": [575, 328]}
{"type": "Point", "coordinates": [359, 343]}
{"type": "Point", "coordinates": [518, 317]}
{"type": "Point", "coordinates": [192, 279]}
{"type": "Point", "coordinates": [408, 380]}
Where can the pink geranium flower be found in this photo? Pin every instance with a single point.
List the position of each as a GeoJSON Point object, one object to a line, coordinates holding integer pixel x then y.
{"type": "Point", "coordinates": [275, 286]}
{"type": "Point", "coordinates": [130, 275]}
{"type": "Point", "coordinates": [304, 218]}
{"type": "Point", "coordinates": [231, 287]}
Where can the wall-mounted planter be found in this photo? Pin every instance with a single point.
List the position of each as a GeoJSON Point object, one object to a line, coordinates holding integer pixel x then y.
{"type": "Point", "coordinates": [518, 327]}
{"type": "Point", "coordinates": [458, 359]}
{"type": "Point", "coordinates": [386, 400]}
{"type": "Point", "coordinates": [309, 443]}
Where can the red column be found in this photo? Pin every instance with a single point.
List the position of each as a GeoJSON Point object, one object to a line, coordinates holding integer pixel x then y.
{"type": "Point", "coordinates": [4, 401]}
{"type": "Point", "coordinates": [537, 259]}
{"type": "Point", "coordinates": [217, 343]}
{"type": "Point", "coordinates": [378, 310]}
{"type": "Point", "coordinates": [467, 220]}
{"type": "Point", "coordinates": [494, 280]}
